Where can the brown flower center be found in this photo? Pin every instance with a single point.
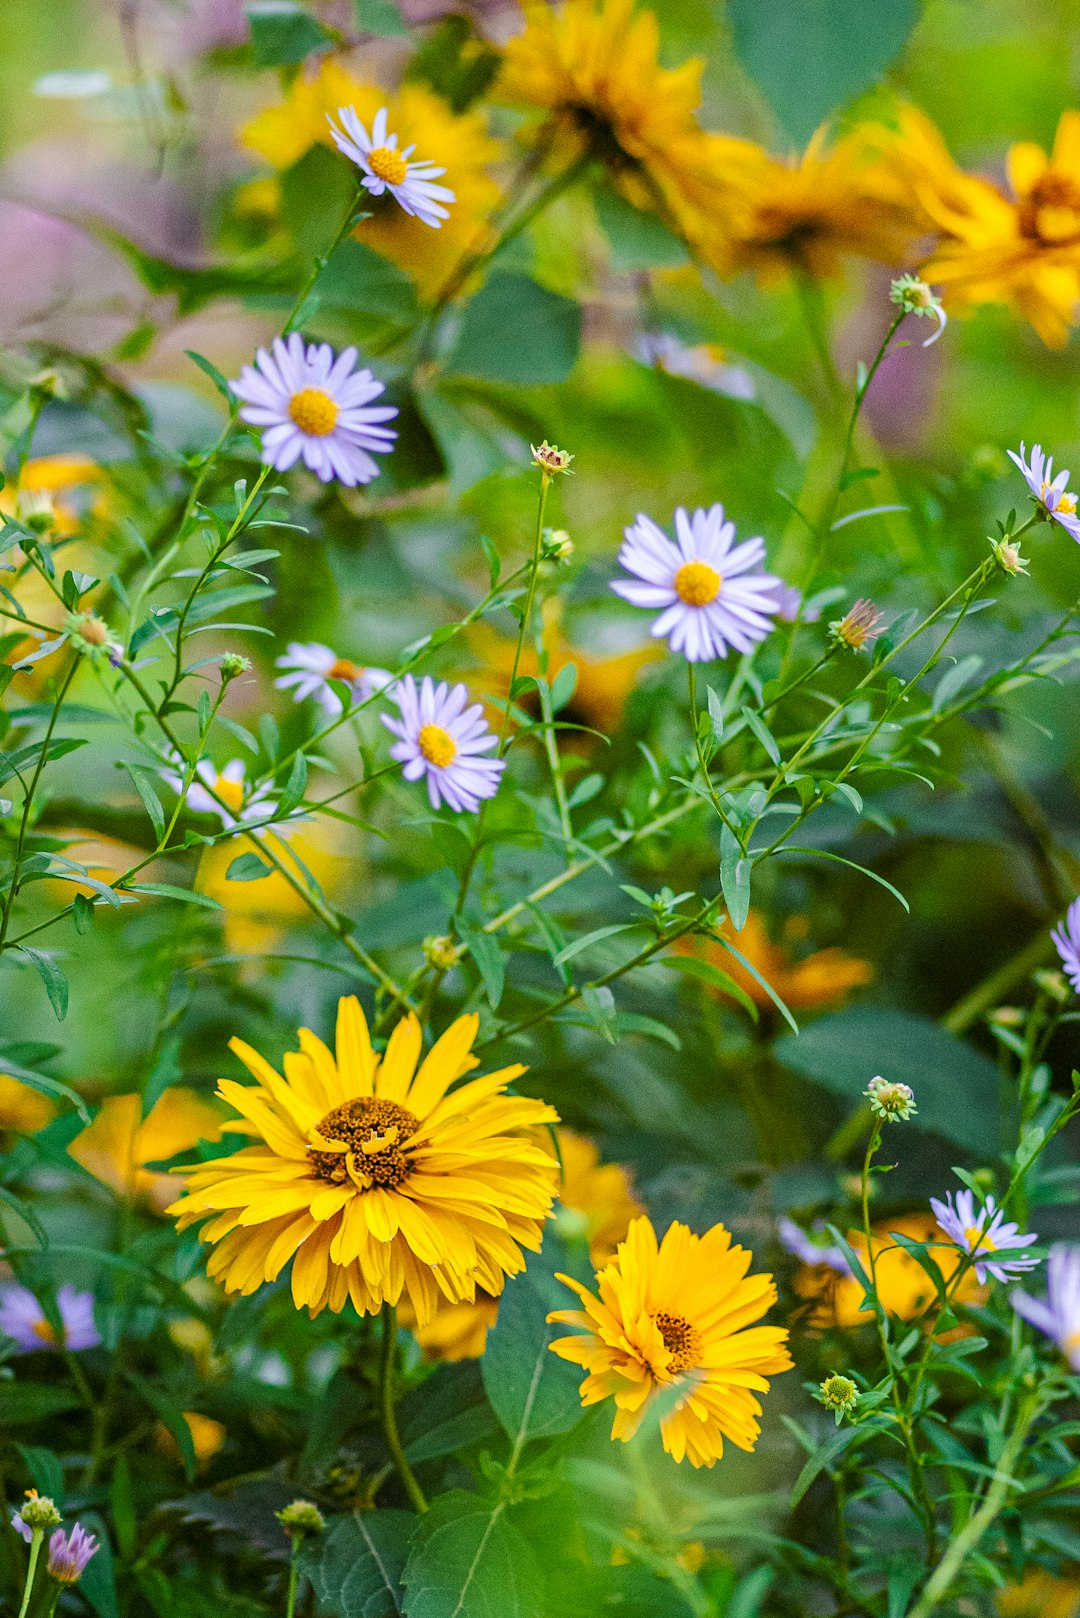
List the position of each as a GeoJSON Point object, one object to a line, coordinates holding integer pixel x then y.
{"type": "Point", "coordinates": [1050, 212]}
{"type": "Point", "coordinates": [682, 1341]}
{"type": "Point", "coordinates": [365, 1137]}
{"type": "Point", "coordinates": [388, 164]}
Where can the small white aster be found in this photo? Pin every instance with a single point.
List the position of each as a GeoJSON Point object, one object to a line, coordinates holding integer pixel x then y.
{"type": "Point", "coordinates": [986, 1233]}
{"type": "Point", "coordinates": [1051, 493]}
{"type": "Point", "coordinates": [313, 405]}
{"type": "Point", "coordinates": [237, 808]}
{"type": "Point", "coordinates": [310, 667]}
{"type": "Point", "coordinates": [442, 739]}
{"type": "Point", "coordinates": [1066, 938]}
{"type": "Point", "coordinates": [387, 169]}
{"type": "Point", "coordinates": [710, 592]}
{"type": "Point", "coordinates": [1058, 1315]}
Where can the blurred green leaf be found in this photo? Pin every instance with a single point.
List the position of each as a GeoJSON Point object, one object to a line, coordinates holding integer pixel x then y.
{"type": "Point", "coordinates": [56, 984]}
{"type": "Point", "coordinates": [809, 56]}
{"type": "Point", "coordinates": [515, 330]}
{"type": "Point", "coordinates": [638, 241]}
{"type": "Point", "coordinates": [379, 17]}
{"type": "Point", "coordinates": [283, 32]}
{"type": "Point", "coordinates": [33, 1401]}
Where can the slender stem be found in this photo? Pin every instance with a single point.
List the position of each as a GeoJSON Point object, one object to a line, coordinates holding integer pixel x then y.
{"type": "Point", "coordinates": [24, 822]}
{"type": "Point", "coordinates": [294, 1575]}
{"type": "Point", "coordinates": [389, 1411]}
{"type": "Point", "coordinates": [35, 1551]}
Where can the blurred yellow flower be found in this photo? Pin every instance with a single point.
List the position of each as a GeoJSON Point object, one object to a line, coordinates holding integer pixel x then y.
{"type": "Point", "coordinates": [458, 1331]}
{"type": "Point", "coordinates": [822, 978]}
{"type": "Point", "coordinates": [23, 1109]}
{"type": "Point", "coordinates": [904, 1287]}
{"type": "Point", "coordinates": [258, 914]}
{"type": "Point", "coordinates": [806, 215]}
{"type": "Point", "coordinates": [459, 141]}
{"type": "Point", "coordinates": [55, 479]}
{"type": "Point", "coordinates": [604, 684]}
{"type": "Point", "coordinates": [116, 1147]}
{"type": "Point", "coordinates": [1040, 1595]}
{"type": "Point", "coordinates": [52, 486]}
{"type": "Point", "coordinates": [1020, 249]}
{"type": "Point", "coordinates": [207, 1438]}
{"type": "Point", "coordinates": [594, 66]}
{"type": "Point", "coordinates": [677, 1315]}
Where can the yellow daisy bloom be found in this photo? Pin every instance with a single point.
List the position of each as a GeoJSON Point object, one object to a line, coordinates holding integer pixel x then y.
{"type": "Point", "coordinates": [595, 68]}
{"type": "Point", "coordinates": [1021, 250]}
{"type": "Point", "coordinates": [903, 1286]}
{"type": "Point", "coordinates": [809, 214]}
{"type": "Point", "coordinates": [1040, 1595]}
{"type": "Point", "coordinates": [678, 1314]}
{"type": "Point", "coordinates": [23, 1110]}
{"type": "Point", "coordinates": [117, 1147]}
{"type": "Point", "coordinates": [373, 1175]}
{"type": "Point", "coordinates": [460, 142]}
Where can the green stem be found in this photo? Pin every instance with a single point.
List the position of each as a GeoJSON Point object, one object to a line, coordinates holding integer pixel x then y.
{"type": "Point", "coordinates": [389, 1411]}
{"type": "Point", "coordinates": [35, 1551]}
{"type": "Point", "coordinates": [294, 1576]}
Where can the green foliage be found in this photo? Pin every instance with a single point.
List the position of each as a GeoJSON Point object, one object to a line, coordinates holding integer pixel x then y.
{"type": "Point", "coordinates": [517, 331]}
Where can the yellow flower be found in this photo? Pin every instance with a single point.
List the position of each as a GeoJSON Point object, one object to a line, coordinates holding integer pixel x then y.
{"type": "Point", "coordinates": [678, 1315]}
{"type": "Point", "coordinates": [1040, 1595]}
{"type": "Point", "coordinates": [375, 1177]}
{"type": "Point", "coordinates": [207, 1438]}
{"type": "Point", "coordinates": [594, 67]}
{"type": "Point", "coordinates": [23, 1109]}
{"type": "Point", "coordinates": [1021, 250]}
{"type": "Point", "coordinates": [904, 1287]}
{"type": "Point", "coordinates": [604, 684]}
{"type": "Point", "coordinates": [55, 480]}
{"type": "Point", "coordinates": [600, 1204]}
{"type": "Point", "coordinates": [808, 214]}
{"type": "Point", "coordinates": [820, 979]}
{"type": "Point", "coordinates": [460, 142]}
{"type": "Point", "coordinates": [258, 914]}
{"type": "Point", "coordinates": [116, 1147]}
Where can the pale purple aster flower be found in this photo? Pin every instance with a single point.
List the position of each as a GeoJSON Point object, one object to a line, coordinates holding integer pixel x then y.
{"type": "Point", "coordinates": [442, 739]}
{"type": "Point", "coordinates": [812, 1247]}
{"type": "Point", "coordinates": [1058, 1315]}
{"type": "Point", "coordinates": [1067, 943]}
{"type": "Point", "coordinates": [311, 666]}
{"type": "Point", "coordinates": [238, 806]}
{"type": "Point", "coordinates": [69, 1554]}
{"type": "Point", "coordinates": [1052, 493]}
{"type": "Point", "coordinates": [387, 169]}
{"type": "Point", "coordinates": [702, 363]}
{"type": "Point", "coordinates": [986, 1233]}
{"type": "Point", "coordinates": [318, 407]}
{"type": "Point", "coordinates": [24, 1320]}
{"type": "Point", "coordinates": [710, 591]}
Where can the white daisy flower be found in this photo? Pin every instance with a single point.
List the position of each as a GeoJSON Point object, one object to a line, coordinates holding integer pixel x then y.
{"type": "Point", "coordinates": [984, 1232]}
{"type": "Point", "coordinates": [1052, 493]}
{"type": "Point", "coordinates": [311, 666]}
{"type": "Point", "coordinates": [1058, 1314]}
{"type": "Point", "coordinates": [442, 739]}
{"type": "Point", "coordinates": [710, 592]}
{"type": "Point", "coordinates": [313, 405]}
{"type": "Point", "coordinates": [238, 806]}
{"type": "Point", "coordinates": [387, 169]}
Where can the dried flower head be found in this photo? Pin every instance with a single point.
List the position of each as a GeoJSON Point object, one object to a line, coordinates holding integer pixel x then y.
{"type": "Point", "coordinates": [90, 635]}
{"type": "Point", "coordinates": [838, 1394]}
{"type": "Point", "coordinates": [858, 627]}
{"type": "Point", "coordinates": [301, 1519]}
{"type": "Point", "coordinates": [891, 1101]}
{"type": "Point", "coordinates": [914, 297]}
{"type": "Point", "coordinates": [550, 459]}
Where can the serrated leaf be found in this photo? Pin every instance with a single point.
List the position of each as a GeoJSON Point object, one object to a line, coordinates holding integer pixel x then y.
{"type": "Point", "coordinates": [533, 1392]}
{"type": "Point", "coordinates": [355, 1570]}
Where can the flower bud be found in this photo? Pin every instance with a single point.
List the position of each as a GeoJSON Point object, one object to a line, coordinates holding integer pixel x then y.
{"type": "Point", "coordinates": [914, 297]}
{"type": "Point", "coordinates": [838, 1394]}
{"type": "Point", "coordinates": [550, 459]}
{"type": "Point", "coordinates": [1007, 1017]}
{"type": "Point", "coordinates": [232, 665]}
{"type": "Point", "coordinates": [442, 953]}
{"type": "Point", "coordinates": [557, 545]}
{"type": "Point", "coordinates": [37, 1513]}
{"type": "Point", "coordinates": [34, 508]}
{"type": "Point", "coordinates": [301, 1519]}
{"type": "Point", "coordinates": [90, 634]}
{"type": "Point", "coordinates": [1008, 558]}
{"type": "Point", "coordinates": [1052, 984]}
{"type": "Point", "coordinates": [891, 1101]}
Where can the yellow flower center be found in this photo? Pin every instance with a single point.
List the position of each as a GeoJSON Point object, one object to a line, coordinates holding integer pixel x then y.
{"type": "Point", "coordinates": [1057, 502]}
{"type": "Point", "coordinates": [973, 1235]}
{"type": "Point", "coordinates": [362, 1141]}
{"type": "Point", "coordinates": [1070, 1344]}
{"type": "Point", "coordinates": [314, 412]}
{"type": "Point", "coordinates": [437, 746]}
{"type": "Point", "coordinates": [231, 793]}
{"type": "Point", "coordinates": [47, 1333]}
{"type": "Point", "coordinates": [344, 670]}
{"type": "Point", "coordinates": [697, 584]}
{"type": "Point", "coordinates": [388, 164]}
{"type": "Point", "coordinates": [682, 1341]}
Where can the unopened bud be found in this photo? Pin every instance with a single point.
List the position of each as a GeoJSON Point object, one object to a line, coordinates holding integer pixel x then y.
{"type": "Point", "coordinates": [1052, 984]}
{"type": "Point", "coordinates": [1007, 1017]}
{"type": "Point", "coordinates": [1008, 558]}
{"type": "Point", "coordinates": [891, 1101]}
{"type": "Point", "coordinates": [442, 953]}
{"type": "Point", "coordinates": [39, 1512]}
{"type": "Point", "coordinates": [915, 298]}
{"type": "Point", "coordinates": [838, 1394]}
{"type": "Point", "coordinates": [301, 1519]}
{"type": "Point", "coordinates": [557, 545]}
{"type": "Point", "coordinates": [232, 665]}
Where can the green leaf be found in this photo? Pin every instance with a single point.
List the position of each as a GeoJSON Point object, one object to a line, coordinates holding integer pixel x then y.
{"type": "Point", "coordinates": [356, 277]}
{"type": "Point", "coordinates": [282, 32]}
{"type": "Point", "coordinates": [468, 1561]}
{"type": "Point", "coordinates": [248, 868]}
{"type": "Point", "coordinates": [517, 331]}
{"type": "Point", "coordinates": [563, 687]}
{"type": "Point", "coordinates": [809, 56]}
{"type": "Point", "coordinates": [211, 370]}
{"type": "Point", "coordinates": [762, 732]}
{"type": "Point", "coordinates": [56, 984]}
{"type": "Point", "coordinates": [735, 871]}
{"type": "Point", "coordinates": [46, 1471]}
{"type": "Point", "coordinates": [47, 1086]}
{"type": "Point", "coordinates": [355, 1569]}
{"type": "Point", "coordinates": [826, 854]}
{"type": "Point", "coordinates": [826, 1453]}
{"type": "Point", "coordinates": [693, 966]}
{"type": "Point", "coordinates": [145, 783]}
{"type": "Point", "coordinates": [22, 1402]}
{"type": "Point", "coordinates": [295, 786]}
{"type": "Point", "coordinates": [171, 1415]}
{"type": "Point", "coordinates": [956, 1087]}
{"type": "Point", "coordinates": [638, 241]}
{"type": "Point", "coordinates": [98, 1583]}
{"type": "Point", "coordinates": [379, 17]}
{"type": "Point", "coordinates": [589, 939]}
{"type": "Point", "coordinates": [485, 951]}
{"type": "Point", "coordinates": [533, 1392]}
{"type": "Point", "coordinates": [24, 1211]}
{"type": "Point", "coordinates": [167, 890]}
{"type": "Point", "coordinates": [447, 1412]}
